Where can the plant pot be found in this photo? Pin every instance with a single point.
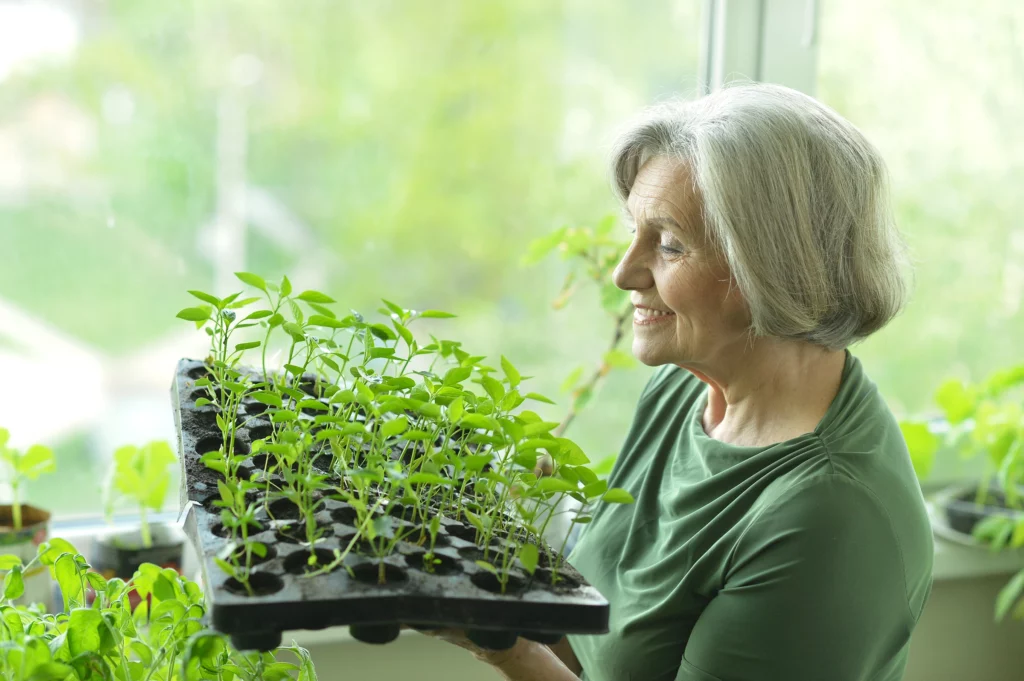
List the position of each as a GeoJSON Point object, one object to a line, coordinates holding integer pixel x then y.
{"type": "Point", "coordinates": [452, 593]}
{"type": "Point", "coordinates": [24, 543]}
{"type": "Point", "coordinates": [120, 553]}
{"type": "Point", "coordinates": [956, 514]}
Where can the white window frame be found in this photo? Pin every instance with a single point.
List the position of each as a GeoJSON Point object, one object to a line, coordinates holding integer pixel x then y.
{"type": "Point", "coordinates": [770, 41]}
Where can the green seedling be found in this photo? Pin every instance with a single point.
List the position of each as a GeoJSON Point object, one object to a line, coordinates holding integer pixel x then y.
{"type": "Point", "coordinates": [142, 475]}
{"type": "Point", "coordinates": [23, 467]}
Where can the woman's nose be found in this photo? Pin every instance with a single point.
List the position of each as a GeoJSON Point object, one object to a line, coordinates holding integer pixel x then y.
{"type": "Point", "coordinates": [632, 273]}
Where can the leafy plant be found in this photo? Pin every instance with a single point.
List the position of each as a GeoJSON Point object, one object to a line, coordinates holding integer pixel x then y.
{"type": "Point", "coordinates": [141, 474]}
{"type": "Point", "coordinates": [351, 421]}
{"type": "Point", "coordinates": [592, 255]}
{"type": "Point", "coordinates": [986, 420]}
{"type": "Point", "coordinates": [22, 467]}
{"type": "Point", "coordinates": [163, 638]}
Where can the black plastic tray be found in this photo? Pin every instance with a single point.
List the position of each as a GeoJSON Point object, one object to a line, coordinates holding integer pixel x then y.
{"type": "Point", "coordinates": [456, 595]}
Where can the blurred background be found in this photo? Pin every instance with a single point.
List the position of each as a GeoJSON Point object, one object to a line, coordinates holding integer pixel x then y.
{"type": "Point", "coordinates": [411, 151]}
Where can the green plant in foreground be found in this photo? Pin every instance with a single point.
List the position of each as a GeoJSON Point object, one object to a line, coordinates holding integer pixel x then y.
{"type": "Point", "coordinates": [162, 639]}
{"type": "Point", "coordinates": [142, 475]}
{"type": "Point", "coordinates": [362, 412]}
{"type": "Point", "coordinates": [36, 460]}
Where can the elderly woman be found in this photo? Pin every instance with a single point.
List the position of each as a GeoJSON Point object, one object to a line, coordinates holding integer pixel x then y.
{"type": "Point", "coordinates": [779, 532]}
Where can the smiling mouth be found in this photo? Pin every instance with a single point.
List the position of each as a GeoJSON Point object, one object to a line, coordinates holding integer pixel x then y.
{"type": "Point", "coordinates": [643, 316]}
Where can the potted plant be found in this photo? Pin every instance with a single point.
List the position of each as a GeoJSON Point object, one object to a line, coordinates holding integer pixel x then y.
{"type": "Point", "coordinates": [110, 640]}
{"type": "Point", "coordinates": [24, 527]}
{"type": "Point", "coordinates": [986, 420]}
{"type": "Point", "coordinates": [139, 475]}
{"type": "Point", "coordinates": [399, 494]}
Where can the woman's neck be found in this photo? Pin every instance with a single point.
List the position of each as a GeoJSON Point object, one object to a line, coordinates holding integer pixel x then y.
{"type": "Point", "coordinates": [770, 391]}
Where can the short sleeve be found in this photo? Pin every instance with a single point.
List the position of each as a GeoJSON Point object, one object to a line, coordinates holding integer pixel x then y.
{"type": "Point", "coordinates": [816, 589]}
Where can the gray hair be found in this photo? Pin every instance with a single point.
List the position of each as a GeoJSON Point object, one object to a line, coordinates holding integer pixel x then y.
{"type": "Point", "coordinates": [795, 199]}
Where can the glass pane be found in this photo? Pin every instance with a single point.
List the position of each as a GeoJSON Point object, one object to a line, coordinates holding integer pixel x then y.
{"type": "Point", "coordinates": [403, 150]}
{"type": "Point", "coordinates": [936, 86]}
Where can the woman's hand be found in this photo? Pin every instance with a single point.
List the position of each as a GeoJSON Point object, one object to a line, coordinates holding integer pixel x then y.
{"type": "Point", "coordinates": [458, 637]}
{"type": "Point", "coordinates": [525, 661]}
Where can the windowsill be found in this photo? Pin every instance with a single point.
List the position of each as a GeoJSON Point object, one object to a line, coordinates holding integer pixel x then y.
{"type": "Point", "coordinates": [952, 562]}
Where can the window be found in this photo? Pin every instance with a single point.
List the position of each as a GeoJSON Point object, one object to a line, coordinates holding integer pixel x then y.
{"type": "Point", "coordinates": [936, 87]}
{"type": "Point", "coordinates": [405, 150]}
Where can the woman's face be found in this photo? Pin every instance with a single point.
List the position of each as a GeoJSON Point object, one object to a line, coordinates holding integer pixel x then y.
{"type": "Point", "coordinates": [687, 309]}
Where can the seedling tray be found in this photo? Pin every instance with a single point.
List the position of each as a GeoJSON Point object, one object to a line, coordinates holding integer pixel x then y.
{"type": "Point", "coordinates": [457, 594]}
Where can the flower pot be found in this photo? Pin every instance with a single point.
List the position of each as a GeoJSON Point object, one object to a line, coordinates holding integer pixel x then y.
{"type": "Point", "coordinates": [956, 514]}
{"type": "Point", "coordinates": [372, 596]}
{"type": "Point", "coordinates": [24, 543]}
{"type": "Point", "coordinates": [119, 553]}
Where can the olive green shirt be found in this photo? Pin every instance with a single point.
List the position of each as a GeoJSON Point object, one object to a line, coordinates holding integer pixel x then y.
{"type": "Point", "coordinates": [810, 559]}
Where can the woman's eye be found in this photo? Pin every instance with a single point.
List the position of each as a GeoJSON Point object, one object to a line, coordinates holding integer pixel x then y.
{"type": "Point", "coordinates": [671, 250]}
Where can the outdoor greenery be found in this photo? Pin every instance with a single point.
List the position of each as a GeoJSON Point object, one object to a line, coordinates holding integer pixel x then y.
{"type": "Point", "coordinates": [415, 166]}
{"type": "Point", "coordinates": [98, 636]}
{"type": "Point", "coordinates": [405, 434]}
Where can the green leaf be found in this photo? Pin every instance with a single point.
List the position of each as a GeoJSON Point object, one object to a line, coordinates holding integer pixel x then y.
{"type": "Point", "coordinates": [529, 556]}
{"type": "Point", "coordinates": [37, 460]}
{"type": "Point", "coordinates": [554, 485]}
{"type": "Point", "coordinates": [571, 380]}
{"type": "Point", "coordinates": [539, 248]}
{"type": "Point", "coordinates": [51, 549]}
{"type": "Point", "coordinates": [537, 397]}
{"type": "Point", "coordinates": [315, 297]}
{"type": "Point", "coordinates": [9, 561]}
{"type": "Point", "coordinates": [87, 632]}
{"type": "Point", "coordinates": [247, 346]}
{"type": "Point", "coordinates": [65, 571]}
{"type": "Point", "coordinates": [480, 421]}
{"type": "Point", "coordinates": [456, 409]}
{"type": "Point", "coordinates": [286, 286]}
{"type": "Point", "coordinates": [922, 445]}
{"type": "Point", "coordinates": [394, 427]}
{"type": "Point", "coordinates": [428, 479]}
{"type": "Point", "coordinates": [510, 372]}
{"type": "Point", "coordinates": [487, 566]}
{"type": "Point", "coordinates": [436, 314]}
{"type": "Point", "coordinates": [253, 280]}
{"type": "Point", "coordinates": [283, 416]}
{"type": "Point", "coordinates": [456, 375]}
{"type": "Point", "coordinates": [595, 489]}
{"type": "Point", "coordinates": [271, 399]}
{"type": "Point", "coordinates": [956, 400]}
{"type": "Point", "coordinates": [207, 298]}
{"type": "Point", "coordinates": [14, 583]}
{"type": "Point", "coordinates": [195, 314]}
{"type": "Point", "coordinates": [327, 322]}
{"type": "Point", "coordinates": [1009, 595]}
{"type": "Point", "coordinates": [619, 359]}
{"type": "Point", "coordinates": [493, 387]}
{"type": "Point", "coordinates": [617, 495]}
{"type": "Point", "coordinates": [569, 453]}
{"type": "Point", "coordinates": [295, 331]}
